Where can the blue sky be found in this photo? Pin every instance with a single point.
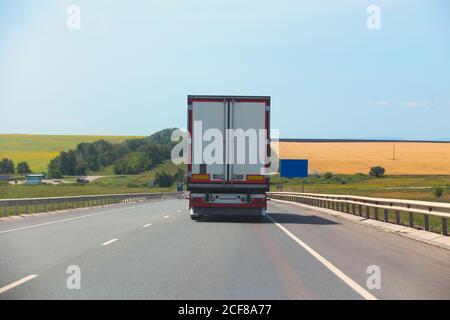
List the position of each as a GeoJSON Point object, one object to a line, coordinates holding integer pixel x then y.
{"type": "Point", "coordinates": [129, 68]}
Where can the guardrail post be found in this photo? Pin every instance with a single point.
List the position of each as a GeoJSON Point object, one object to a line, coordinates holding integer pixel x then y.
{"type": "Point", "coordinates": [360, 210]}
{"type": "Point", "coordinates": [5, 211]}
{"type": "Point", "coordinates": [16, 209]}
{"type": "Point", "coordinates": [426, 222]}
{"type": "Point", "coordinates": [444, 226]}
{"type": "Point", "coordinates": [397, 217]}
{"type": "Point", "coordinates": [26, 208]}
{"type": "Point", "coordinates": [386, 215]}
{"type": "Point", "coordinates": [367, 212]}
{"type": "Point", "coordinates": [411, 219]}
{"type": "Point", "coordinates": [353, 208]}
{"type": "Point", "coordinates": [376, 213]}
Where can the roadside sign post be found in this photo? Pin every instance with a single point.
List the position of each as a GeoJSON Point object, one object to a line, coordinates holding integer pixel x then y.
{"type": "Point", "coordinates": [294, 168]}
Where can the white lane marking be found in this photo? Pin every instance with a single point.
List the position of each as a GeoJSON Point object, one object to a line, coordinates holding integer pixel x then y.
{"type": "Point", "coordinates": [352, 284]}
{"type": "Point", "coordinates": [146, 225]}
{"type": "Point", "coordinates": [166, 216]}
{"type": "Point", "coordinates": [69, 219]}
{"type": "Point", "coordinates": [108, 242]}
{"type": "Point", "coordinates": [18, 283]}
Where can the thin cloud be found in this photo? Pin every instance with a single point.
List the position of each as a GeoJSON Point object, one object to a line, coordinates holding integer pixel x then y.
{"type": "Point", "coordinates": [416, 104]}
{"type": "Point", "coordinates": [379, 103]}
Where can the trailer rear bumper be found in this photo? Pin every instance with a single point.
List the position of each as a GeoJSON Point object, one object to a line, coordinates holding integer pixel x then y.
{"type": "Point", "coordinates": [199, 212]}
{"type": "Point", "coordinates": [228, 187]}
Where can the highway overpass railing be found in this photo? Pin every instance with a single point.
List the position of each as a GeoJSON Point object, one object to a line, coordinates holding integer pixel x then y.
{"type": "Point", "coordinates": [425, 215]}
{"type": "Point", "coordinates": [38, 205]}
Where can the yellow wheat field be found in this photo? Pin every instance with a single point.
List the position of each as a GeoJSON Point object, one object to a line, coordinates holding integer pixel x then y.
{"type": "Point", "coordinates": [354, 157]}
{"type": "Point", "coordinates": [38, 150]}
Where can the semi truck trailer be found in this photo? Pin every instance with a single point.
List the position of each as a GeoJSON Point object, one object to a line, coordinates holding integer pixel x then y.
{"type": "Point", "coordinates": [229, 152]}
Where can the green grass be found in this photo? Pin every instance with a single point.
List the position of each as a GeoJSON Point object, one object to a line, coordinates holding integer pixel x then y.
{"type": "Point", "coordinates": [401, 187]}
{"type": "Point", "coordinates": [135, 181]}
{"type": "Point", "coordinates": [106, 185]}
{"type": "Point", "coordinates": [38, 150]}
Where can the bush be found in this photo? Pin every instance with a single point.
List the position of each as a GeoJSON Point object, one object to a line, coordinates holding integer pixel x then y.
{"type": "Point", "coordinates": [133, 185]}
{"type": "Point", "coordinates": [163, 179]}
{"type": "Point", "coordinates": [343, 181]}
{"type": "Point", "coordinates": [179, 175]}
{"type": "Point", "coordinates": [377, 171]}
{"type": "Point", "coordinates": [438, 191]}
{"type": "Point", "coordinates": [328, 175]}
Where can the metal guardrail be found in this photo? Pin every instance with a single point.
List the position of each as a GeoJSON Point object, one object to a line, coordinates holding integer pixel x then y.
{"type": "Point", "coordinates": [371, 207]}
{"type": "Point", "coordinates": [36, 205]}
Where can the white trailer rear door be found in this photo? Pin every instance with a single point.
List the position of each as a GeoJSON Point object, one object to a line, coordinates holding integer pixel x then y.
{"type": "Point", "coordinates": [247, 118]}
{"type": "Point", "coordinates": [209, 117]}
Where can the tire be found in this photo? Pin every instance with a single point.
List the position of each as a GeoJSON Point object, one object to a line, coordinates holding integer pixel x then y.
{"type": "Point", "coordinates": [195, 217]}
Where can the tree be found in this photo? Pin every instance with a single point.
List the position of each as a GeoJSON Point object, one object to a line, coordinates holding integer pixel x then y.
{"type": "Point", "coordinates": [54, 169]}
{"type": "Point", "coordinates": [23, 167]}
{"type": "Point", "coordinates": [6, 166]}
{"type": "Point", "coordinates": [377, 171]}
{"type": "Point", "coordinates": [132, 163]}
{"type": "Point", "coordinates": [80, 169]}
{"type": "Point", "coordinates": [179, 175]}
{"type": "Point", "coordinates": [132, 156]}
{"type": "Point", "coordinates": [68, 162]}
{"type": "Point", "coordinates": [163, 179]}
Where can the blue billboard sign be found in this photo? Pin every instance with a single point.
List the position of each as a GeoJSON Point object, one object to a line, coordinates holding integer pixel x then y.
{"type": "Point", "coordinates": [294, 168]}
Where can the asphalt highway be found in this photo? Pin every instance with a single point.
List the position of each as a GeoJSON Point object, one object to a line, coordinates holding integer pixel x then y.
{"type": "Point", "coordinates": [153, 250]}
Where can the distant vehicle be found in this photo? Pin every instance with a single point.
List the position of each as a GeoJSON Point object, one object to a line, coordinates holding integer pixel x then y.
{"type": "Point", "coordinates": [82, 180]}
{"type": "Point", "coordinates": [234, 184]}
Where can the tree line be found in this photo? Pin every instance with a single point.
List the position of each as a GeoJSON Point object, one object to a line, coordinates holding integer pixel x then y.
{"type": "Point", "coordinates": [7, 166]}
{"type": "Point", "coordinates": [132, 156]}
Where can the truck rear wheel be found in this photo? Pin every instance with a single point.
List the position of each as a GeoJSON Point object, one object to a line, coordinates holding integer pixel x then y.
{"type": "Point", "coordinates": [194, 215]}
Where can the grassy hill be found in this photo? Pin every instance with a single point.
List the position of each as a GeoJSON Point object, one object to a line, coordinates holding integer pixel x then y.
{"type": "Point", "coordinates": [38, 150]}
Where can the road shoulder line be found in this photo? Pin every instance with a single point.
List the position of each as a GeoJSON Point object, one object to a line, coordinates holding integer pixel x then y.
{"type": "Point", "coordinates": [431, 238]}
{"type": "Point", "coordinates": [74, 218]}
{"type": "Point", "coordinates": [341, 275]}
{"type": "Point", "coordinates": [17, 283]}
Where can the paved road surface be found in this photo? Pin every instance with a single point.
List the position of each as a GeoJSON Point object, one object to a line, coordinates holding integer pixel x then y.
{"type": "Point", "coordinates": [153, 250]}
